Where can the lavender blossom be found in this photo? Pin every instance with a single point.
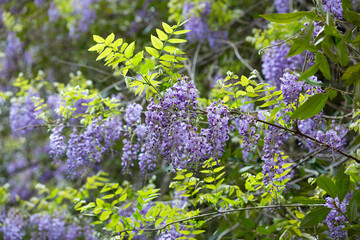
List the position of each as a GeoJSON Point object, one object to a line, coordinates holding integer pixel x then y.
{"type": "Point", "coordinates": [53, 13]}
{"type": "Point", "coordinates": [336, 218]}
{"type": "Point", "coordinates": [133, 113]}
{"type": "Point", "coordinates": [23, 117]}
{"type": "Point", "coordinates": [333, 6]}
{"type": "Point", "coordinates": [57, 142]}
{"type": "Point", "coordinates": [47, 227]}
{"type": "Point", "coordinates": [218, 132]}
{"type": "Point", "coordinates": [12, 226]}
{"type": "Point", "coordinates": [282, 6]}
{"type": "Point", "coordinates": [275, 61]}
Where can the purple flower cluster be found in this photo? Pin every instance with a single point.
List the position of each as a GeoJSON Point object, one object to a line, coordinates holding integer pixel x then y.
{"type": "Point", "coordinates": [282, 6]}
{"type": "Point", "coordinates": [53, 12]}
{"type": "Point", "coordinates": [133, 114]}
{"type": "Point", "coordinates": [308, 127]}
{"type": "Point", "coordinates": [336, 218]}
{"type": "Point", "coordinates": [47, 227]}
{"type": "Point", "coordinates": [12, 226]}
{"type": "Point", "coordinates": [274, 62]}
{"type": "Point", "coordinates": [23, 117]}
{"type": "Point", "coordinates": [199, 27]}
{"type": "Point", "coordinates": [333, 6]}
{"type": "Point", "coordinates": [131, 147]}
{"type": "Point", "coordinates": [57, 142]}
{"type": "Point", "coordinates": [273, 157]}
{"type": "Point", "coordinates": [218, 132]}
{"type": "Point", "coordinates": [86, 148]}
{"type": "Point", "coordinates": [38, 3]}
{"type": "Point", "coordinates": [171, 131]}
{"type": "Point", "coordinates": [13, 48]}
{"type": "Point", "coordinates": [331, 138]}
{"type": "Point", "coordinates": [291, 88]}
{"type": "Point", "coordinates": [86, 17]}
{"type": "Point", "coordinates": [171, 234]}
{"type": "Point", "coordinates": [246, 129]}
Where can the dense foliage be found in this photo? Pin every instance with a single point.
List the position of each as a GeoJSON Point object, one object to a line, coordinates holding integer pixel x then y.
{"type": "Point", "coordinates": [179, 119]}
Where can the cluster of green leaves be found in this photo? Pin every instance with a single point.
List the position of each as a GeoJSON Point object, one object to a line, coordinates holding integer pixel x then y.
{"type": "Point", "coordinates": [157, 70]}
{"type": "Point", "coordinates": [335, 189]}
{"type": "Point", "coordinates": [328, 44]}
{"type": "Point", "coordinates": [208, 187]}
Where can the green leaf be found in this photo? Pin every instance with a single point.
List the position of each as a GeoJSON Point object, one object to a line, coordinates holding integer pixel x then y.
{"type": "Point", "coordinates": [327, 46]}
{"type": "Point", "coordinates": [306, 200]}
{"type": "Point", "coordinates": [168, 57]}
{"type": "Point", "coordinates": [209, 179]}
{"type": "Point", "coordinates": [327, 185]}
{"type": "Point", "coordinates": [332, 31]}
{"type": "Point", "coordinates": [264, 230]}
{"type": "Point", "coordinates": [302, 42]}
{"type": "Point", "coordinates": [332, 93]}
{"type": "Point", "coordinates": [104, 54]}
{"type": "Point", "coordinates": [342, 183]}
{"type": "Point", "coordinates": [284, 17]}
{"type": "Point", "coordinates": [342, 54]}
{"type": "Point", "coordinates": [117, 43]}
{"type": "Point", "coordinates": [313, 82]}
{"type": "Point", "coordinates": [353, 206]}
{"type": "Point", "coordinates": [98, 39]}
{"type": "Point", "coordinates": [137, 58]}
{"type": "Point", "coordinates": [311, 107]}
{"type": "Point", "coordinates": [269, 103]}
{"type": "Point", "coordinates": [161, 35]}
{"type": "Point", "coordinates": [157, 43]}
{"type": "Point", "coordinates": [180, 32]}
{"type": "Point", "coordinates": [352, 209]}
{"type": "Point", "coordinates": [352, 16]}
{"type": "Point", "coordinates": [158, 221]}
{"type": "Point", "coordinates": [351, 75]}
{"type": "Point", "coordinates": [152, 51]}
{"type": "Point", "coordinates": [97, 47]}
{"type": "Point", "coordinates": [167, 28]}
{"type": "Point", "coordinates": [176, 40]}
{"type": "Point", "coordinates": [123, 197]}
{"type": "Point", "coordinates": [314, 217]}
{"type": "Point", "coordinates": [109, 39]}
{"type": "Point", "coordinates": [323, 65]}
{"type": "Point", "coordinates": [108, 196]}
{"type": "Point", "coordinates": [129, 51]}
{"type": "Point", "coordinates": [309, 72]}
{"type": "Point", "coordinates": [105, 215]}
{"type": "Point", "coordinates": [173, 50]}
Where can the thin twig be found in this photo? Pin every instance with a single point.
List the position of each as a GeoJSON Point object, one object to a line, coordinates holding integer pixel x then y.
{"type": "Point", "coordinates": [195, 61]}
{"type": "Point", "coordinates": [242, 60]}
{"type": "Point", "coordinates": [216, 213]}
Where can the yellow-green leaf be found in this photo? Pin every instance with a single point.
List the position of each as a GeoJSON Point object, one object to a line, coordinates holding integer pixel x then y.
{"type": "Point", "coordinates": [157, 43]}
{"type": "Point", "coordinates": [104, 54]}
{"type": "Point", "coordinates": [105, 215]}
{"type": "Point", "coordinates": [98, 47]}
{"type": "Point", "coordinates": [181, 32]}
{"type": "Point", "coordinates": [98, 39]}
{"type": "Point", "coordinates": [161, 35]}
{"type": "Point", "coordinates": [152, 51]}
{"type": "Point", "coordinates": [176, 40]}
{"type": "Point", "coordinates": [167, 28]}
{"type": "Point", "coordinates": [108, 196]}
{"type": "Point", "coordinates": [130, 50]}
{"type": "Point", "coordinates": [109, 39]}
{"type": "Point", "coordinates": [123, 197]}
